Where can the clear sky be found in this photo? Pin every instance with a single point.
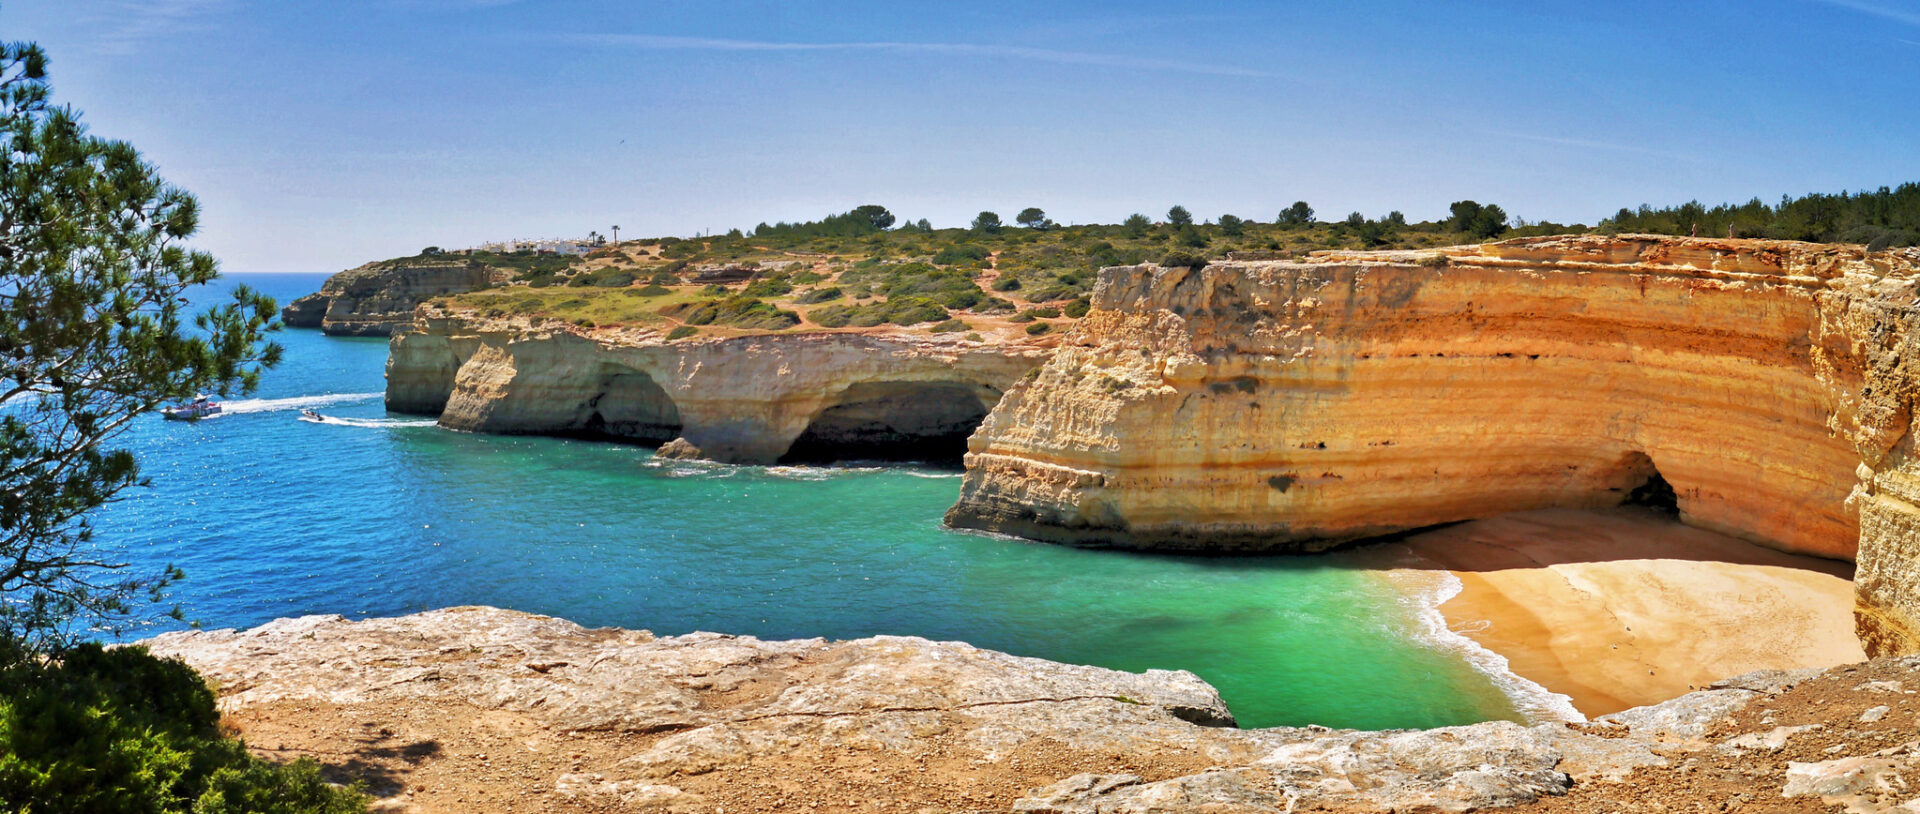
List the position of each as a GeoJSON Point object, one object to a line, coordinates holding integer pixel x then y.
{"type": "Point", "coordinates": [319, 134]}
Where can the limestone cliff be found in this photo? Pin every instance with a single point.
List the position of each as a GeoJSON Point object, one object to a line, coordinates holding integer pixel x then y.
{"type": "Point", "coordinates": [747, 399]}
{"type": "Point", "coordinates": [1296, 405]}
{"type": "Point", "coordinates": [378, 299]}
{"type": "Point", "coordinates": [484, 710]}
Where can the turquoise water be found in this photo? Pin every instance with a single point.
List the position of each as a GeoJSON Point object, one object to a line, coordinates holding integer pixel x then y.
{"type": "Point", "coordinates": [373, 514]}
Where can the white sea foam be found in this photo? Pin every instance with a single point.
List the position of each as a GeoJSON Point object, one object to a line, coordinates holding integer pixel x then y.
{"type": "Point", "coordinates": [295, 403]}
{"type": "Point", "coordinates": [340, 421]}
{"type": "Point", "coordinates": [1426, 591]}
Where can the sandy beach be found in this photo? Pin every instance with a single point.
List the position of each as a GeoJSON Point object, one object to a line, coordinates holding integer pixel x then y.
{"type": "Point", "coordinates": [1623, 607]}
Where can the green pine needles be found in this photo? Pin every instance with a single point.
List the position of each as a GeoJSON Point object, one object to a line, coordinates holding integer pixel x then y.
{"type": "Point", "coordinates": [94, 332]}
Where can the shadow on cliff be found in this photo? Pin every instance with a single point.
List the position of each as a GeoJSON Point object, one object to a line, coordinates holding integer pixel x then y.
{"type": "Point", "coordinates": [1548, 537]}
{"type": "Point", "coordinates": [379, 760]}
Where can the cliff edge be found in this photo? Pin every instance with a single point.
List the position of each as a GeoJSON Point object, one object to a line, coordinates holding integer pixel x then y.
{"type": "Point", "coordinates": [378, 299]}
{"type": "Point", "coordinates": [483, 710]}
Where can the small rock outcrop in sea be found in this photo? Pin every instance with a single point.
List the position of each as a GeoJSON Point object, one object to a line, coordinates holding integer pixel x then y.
{"type": "Point", "coordinates": [378, 299]}
{"type": "Point", "coordinates": [480, 703]}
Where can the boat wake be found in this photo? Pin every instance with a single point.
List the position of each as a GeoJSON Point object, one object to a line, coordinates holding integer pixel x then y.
{"type": "Point", "coordinates": [295, 403]}
{"type": "Point", "coordinates": [339, 421]}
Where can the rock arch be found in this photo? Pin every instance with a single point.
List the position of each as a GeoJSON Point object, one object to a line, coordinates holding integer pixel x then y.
{"type": "Point", "coordinates": [927, 421]}
{"type": "Point", "coordinates": [628, 405]}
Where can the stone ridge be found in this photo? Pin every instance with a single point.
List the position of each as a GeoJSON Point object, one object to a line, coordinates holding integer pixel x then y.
{"type": "Point", "coordinates": [1299, 405]}
{"type": "Point", "coordinates": [378, 299]}
{"type": "Point", "coordinates": [745, 399]}
{"type": "Point", "coordinates": [571, 718]}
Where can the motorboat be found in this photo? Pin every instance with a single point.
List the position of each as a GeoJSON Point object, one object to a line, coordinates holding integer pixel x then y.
{"type": "Point", "coordinates": [199, 408]}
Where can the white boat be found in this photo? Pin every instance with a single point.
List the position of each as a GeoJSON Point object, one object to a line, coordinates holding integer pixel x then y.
{"type": "Point", "coordinates": [199, 408]}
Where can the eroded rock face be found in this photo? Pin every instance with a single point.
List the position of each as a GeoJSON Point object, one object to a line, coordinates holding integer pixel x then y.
{"type": "Point", "coordinates": [378, 299]}
{"type": "Point", "coordinates": [707, 720]}
{"type": "Point", "coordinates": [750, 399]}
{"type": "Point", "coordinates": [1298, 405]}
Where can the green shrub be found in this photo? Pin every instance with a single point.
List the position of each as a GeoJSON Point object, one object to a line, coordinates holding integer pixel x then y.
{"type": "Point", "coordinates": [653, 291]}
{"type": "Point", "coordinates": [819, 295]}
{"type": "Point", "coordinates": [715, 290]}
{"type": "Point", "coordinates": [974, 337]}
{"type": "Point", "coordinates": [1187, 259]}
{"type": "Point", "coordinates": [1038, 328]}
{"type": "Point", "coordinates": [772, 285]}
{"type": "Point", "coordinates": [1078, 308]}
{"type": "Point", "coordinates": [682, 332]}
{"type": "Point", "coordinates": [808, 277]}
{"type": "Point", "coordinates": [121, 730]}
{"type": "Point", "coordinates": [896, 310]}
{"type": "Point", "coordinates": [951, 326]}
{"type": "Point", "coordinates": [1006, 283]}
{"type": "Point", "coordinates": [740, 312]}
{"type": "Point", "coordinates": [963, 255]}
{"type": "Point", "coordinates": [610, 277]}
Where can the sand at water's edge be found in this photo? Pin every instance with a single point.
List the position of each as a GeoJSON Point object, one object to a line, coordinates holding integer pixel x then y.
{"type": "Point", "coordinates": [1620, 608]}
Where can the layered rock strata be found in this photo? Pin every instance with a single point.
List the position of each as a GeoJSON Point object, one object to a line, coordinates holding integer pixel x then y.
{"type": "Point", "coordinates": [749, 399]}
{"type": "Point", "coordinates": [1295, 405]}
{"type": "Point", "coordinates": [378, 299]}
{"type": "Point", "coordinates": [478, 709]}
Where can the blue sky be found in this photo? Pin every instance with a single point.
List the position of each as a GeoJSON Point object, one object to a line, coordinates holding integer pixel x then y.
{"type": "Point", "coordinates": [319, 135]}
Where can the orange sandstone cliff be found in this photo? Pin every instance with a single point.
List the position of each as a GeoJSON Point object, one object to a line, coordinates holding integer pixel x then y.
{"type": "Point", "coordinates": [1298, 405]}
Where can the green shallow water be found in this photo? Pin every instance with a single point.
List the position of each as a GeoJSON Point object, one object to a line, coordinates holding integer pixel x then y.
{"type": "Point", "coordinates": [373, 514]}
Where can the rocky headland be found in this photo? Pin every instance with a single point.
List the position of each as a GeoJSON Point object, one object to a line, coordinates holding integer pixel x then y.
{"type": "Point", "coordinates": [757, 398]}
{"type": "Point", "coordinates": [378, 299]}
{"type": "Point", "coordinates": [479, 710]}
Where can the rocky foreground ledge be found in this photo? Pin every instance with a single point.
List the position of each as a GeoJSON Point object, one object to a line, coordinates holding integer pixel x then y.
{"type": "Point", "coordinates": [482, 710]}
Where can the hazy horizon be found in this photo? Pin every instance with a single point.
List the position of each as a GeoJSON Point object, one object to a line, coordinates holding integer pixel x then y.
{"type": "Point", "coordinates": [321, 137]}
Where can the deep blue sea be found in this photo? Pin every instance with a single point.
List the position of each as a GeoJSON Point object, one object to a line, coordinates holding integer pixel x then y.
{"type": "Point", "coordinates": [372, 514]}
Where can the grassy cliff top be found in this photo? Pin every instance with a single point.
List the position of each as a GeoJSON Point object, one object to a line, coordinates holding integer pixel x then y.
{"type": "Point", "coordinates": [1011, 281]}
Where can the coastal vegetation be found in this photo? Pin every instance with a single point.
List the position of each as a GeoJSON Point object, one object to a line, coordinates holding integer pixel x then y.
{"type": "Point", "coordinates": [866, 268]}
{"type": "Point", "coordinates": [859, 270]}
{"type": "Point", "coordinates": [1884, 218]}
{"type": "Point", "coordinates": [96, 331]}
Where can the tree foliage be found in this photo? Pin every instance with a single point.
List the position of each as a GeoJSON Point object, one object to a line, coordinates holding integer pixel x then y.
{"type": "Point", "coordinates": [1888, 216]}
{"type": "Point", "coordinates": [94, 332]}
{"type": "Point", "coordinates": [1299, 214]}
{"type": "Point", "coordinates": [859, 222]}
{"type": "Point", "coordinates": [1179, 216]}
{"type": "Point", "coordinates": [1033, 217]}
{"type": "Point", "coordinates": [987, 222]}
{"type": "Point", "coordinates": [121, 730]}
{"type": "Point", "coordinates": [1476, 220]}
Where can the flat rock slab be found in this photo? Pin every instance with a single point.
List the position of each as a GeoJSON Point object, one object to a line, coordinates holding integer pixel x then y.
{"type": "Point", "coordinates": [481, 710]}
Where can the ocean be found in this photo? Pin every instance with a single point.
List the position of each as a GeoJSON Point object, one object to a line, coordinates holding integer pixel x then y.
{"type": "Point", "coordinates": [366, 513]}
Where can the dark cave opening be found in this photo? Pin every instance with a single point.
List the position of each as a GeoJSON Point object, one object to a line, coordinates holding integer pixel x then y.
{"type": "Point", "coordinates": [922, 422]}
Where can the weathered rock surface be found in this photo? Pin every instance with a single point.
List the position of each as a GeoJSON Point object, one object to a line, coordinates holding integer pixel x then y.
{"type": "Point", "coordinates": [748, 399]}
{"type": "Point", "coordinates": [572, 716]}
{"type": "Point", "coordinates": [1297, 405]}
{"type": "Point", "coordinates": [378, 299]}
